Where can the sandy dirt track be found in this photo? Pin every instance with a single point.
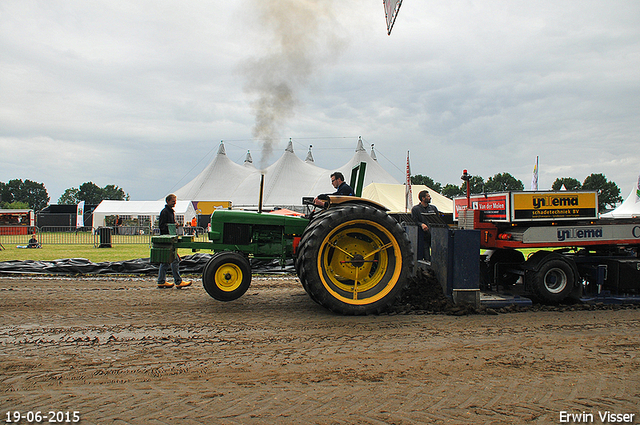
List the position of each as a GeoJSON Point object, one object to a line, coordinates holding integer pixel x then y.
{"type": "Point", "coordinates": [120, 351]}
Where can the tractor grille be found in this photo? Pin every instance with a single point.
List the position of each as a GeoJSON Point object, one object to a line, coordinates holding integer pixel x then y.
{"type": "Point", "coordinates": [237, 234]}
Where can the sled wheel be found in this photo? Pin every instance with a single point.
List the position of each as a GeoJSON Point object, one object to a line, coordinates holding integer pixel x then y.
{"type": "Point", "coordinates": [355, 260]}
{"type": "Point", "coordinates": [554, 280]}
{"type": "Point", "coordinates": [227, 276]}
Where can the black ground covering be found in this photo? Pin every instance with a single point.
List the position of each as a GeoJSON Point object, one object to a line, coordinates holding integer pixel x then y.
{"type": "Point", "coordinates": [190, 264]}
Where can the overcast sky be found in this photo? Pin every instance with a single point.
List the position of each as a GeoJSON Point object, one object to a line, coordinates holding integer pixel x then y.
{"type": "Point", "coordinates": [140, 93]}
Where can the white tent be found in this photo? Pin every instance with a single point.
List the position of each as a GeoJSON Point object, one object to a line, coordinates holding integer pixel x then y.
{"type": "Point", "coordinates": [392, 196]}
{"type": "Point", "coordinates": [630, 208]}
{"type": "Point", "coordinates": [286, 181]}
{"type": "Point", "coordinates": [218, 181]}
{"type": "Point", "coordinates": [374, 172]}
{"type": "Point", "coordinates": [138, 209]}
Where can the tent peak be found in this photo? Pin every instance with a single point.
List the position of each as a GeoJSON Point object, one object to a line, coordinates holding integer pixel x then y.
{"type": "Point", "coordinates": [629, 208]}
{"type": "Point", "coordinates": [248, 159]}
{"type": "Point", "coordinates": [221, 150]}
{"type": "Point", "coordinates": [309, 157]}
{"type": "Point", "coordinates": [373, 154]}
{"type": "Point", "coordinates": [289, 147]}
{"type": "Point", "coordinates": [359, 146]}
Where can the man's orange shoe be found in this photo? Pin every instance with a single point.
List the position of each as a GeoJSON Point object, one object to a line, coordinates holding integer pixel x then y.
{"type": "Point", "coordinates": [165, 285]}
{"type": "Point", "coordinates": [183, 284]}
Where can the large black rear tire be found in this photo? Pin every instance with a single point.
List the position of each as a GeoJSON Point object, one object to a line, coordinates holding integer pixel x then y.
{"type": "Point", "coordinates": [354, 259]}
{"type": "Point", "coordinates": [227, 276]}
{"type": "Point", "coordinates": [303, 253]}
{"type": "Point", "coordinates": [554, 280]}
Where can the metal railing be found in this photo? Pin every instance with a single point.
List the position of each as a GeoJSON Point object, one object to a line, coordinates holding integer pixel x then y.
{"type": "Point", "coordinates": [18, 235]}
{"type": "Point", "coordinates": [69, 235]}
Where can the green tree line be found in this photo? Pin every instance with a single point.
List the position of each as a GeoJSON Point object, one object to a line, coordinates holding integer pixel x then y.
{"type": "Point", "coordinates": [91, 193]}
{"type": "Point", "coordinates": [18, 194]}
{"type": "Point", "coordinates": [608, 191]}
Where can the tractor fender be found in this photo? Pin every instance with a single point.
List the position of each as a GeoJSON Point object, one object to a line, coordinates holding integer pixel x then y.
{"type": "Point", "coordinates": [333, 201]}
{"type": "Point", "coordinates": [342, 200]}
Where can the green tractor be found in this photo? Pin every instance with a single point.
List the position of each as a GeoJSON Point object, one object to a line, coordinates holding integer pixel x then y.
{"type": "Point", "coordinates": [351, 256]}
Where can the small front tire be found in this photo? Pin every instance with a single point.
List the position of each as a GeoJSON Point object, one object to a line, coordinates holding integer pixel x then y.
{"type": "Point", "coordinates": [227, 276]}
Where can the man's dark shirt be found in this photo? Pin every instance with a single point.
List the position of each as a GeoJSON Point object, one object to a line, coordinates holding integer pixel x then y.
{"type": "Point", "coordinates": [167, 216]}
{"type": "Point", "coordinates": [416, 214]}
{"type": "Point", "coordinates": [344, 189]}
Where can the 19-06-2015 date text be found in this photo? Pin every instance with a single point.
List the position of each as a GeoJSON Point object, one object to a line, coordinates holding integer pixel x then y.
{"type": "Point", "coordinates": [50, 416]}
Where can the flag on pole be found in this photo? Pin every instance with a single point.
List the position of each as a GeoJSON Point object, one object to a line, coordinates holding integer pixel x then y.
{"type": "Point", "coordinates": [408, 195]}
{"type": "Point", "coordinates": [80, 215]}
{"type": "Point", "coordinates": [534, 179]}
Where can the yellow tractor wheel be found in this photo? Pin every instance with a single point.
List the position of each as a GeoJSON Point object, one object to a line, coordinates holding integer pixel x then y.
{"type": "Point", "coordinates": [355, 260]}
{"type": "Point", "coordinates": [227, 276]}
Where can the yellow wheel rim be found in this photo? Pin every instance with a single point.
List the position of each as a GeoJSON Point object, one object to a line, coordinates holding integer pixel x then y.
{"type": "Point", "coordinates": [228, 277]}
{"type": "Point", "coordinates": [359, 262]}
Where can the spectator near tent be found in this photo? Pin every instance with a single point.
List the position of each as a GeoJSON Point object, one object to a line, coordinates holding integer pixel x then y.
{"type": "Point", "coordinates": [33, 242]}
{"type": "Point", "coordinates": [117, 223]}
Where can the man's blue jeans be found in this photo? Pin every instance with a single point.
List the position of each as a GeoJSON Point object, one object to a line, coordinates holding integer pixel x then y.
{"type": "Point", "coordinates": [162, 273]}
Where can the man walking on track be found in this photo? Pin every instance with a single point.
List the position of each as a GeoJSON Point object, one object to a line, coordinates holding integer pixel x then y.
{"type": "Point", "coordinates": [168, 216]}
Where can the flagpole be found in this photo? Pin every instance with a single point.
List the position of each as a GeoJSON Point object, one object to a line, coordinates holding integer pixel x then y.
{"type": "Point", "coordinates": [534, 177]}
{"type": "Point", "coordinates": [408, 197]}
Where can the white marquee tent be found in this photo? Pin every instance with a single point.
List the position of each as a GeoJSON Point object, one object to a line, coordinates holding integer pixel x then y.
{"type": "Point", "coordinates": [286, 181]}
{"type": "Point", "coordinates": [630, 208]}
{"type": "Point", "coordinates": [374, 172]}
{"type": "Point", "coordinates": [135, 209]}
{"type": "Point", "coordinates": [218, 181]}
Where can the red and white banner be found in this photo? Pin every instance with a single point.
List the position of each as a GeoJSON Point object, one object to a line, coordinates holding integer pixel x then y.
{"type": "Point", "coordinates": [408, 195]}
{"type": "Point", "coordinates": [493, 207]}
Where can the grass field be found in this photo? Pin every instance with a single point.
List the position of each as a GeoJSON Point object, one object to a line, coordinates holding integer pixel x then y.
{"type": "Point", "coordinates": [96, 255]}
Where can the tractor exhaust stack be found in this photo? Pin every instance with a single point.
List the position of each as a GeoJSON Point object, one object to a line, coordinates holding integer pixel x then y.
{"type": "Point", "coordinates": [261, 193]}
